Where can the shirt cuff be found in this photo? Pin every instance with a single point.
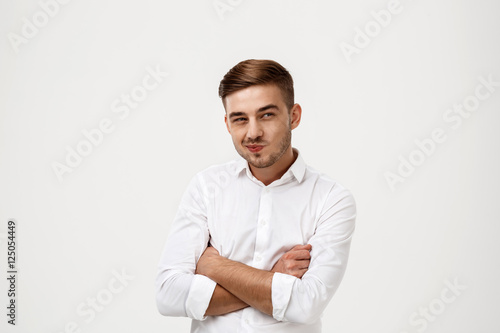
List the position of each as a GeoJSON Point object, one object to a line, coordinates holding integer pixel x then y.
{"type": "Point", "coordinates": [281, 292]}
{"type": "Point", "coordinates": [200, 294]}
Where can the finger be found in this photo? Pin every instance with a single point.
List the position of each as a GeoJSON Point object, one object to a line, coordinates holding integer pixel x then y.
{"type": "Point", "coordinates": [303, 264]}
{"type": "Point", "coordinates": [304, 254]}
{"type": "Point", "coordinates": [298, 265]}
{"type": "Point", "coordinates": [301, 269]}
{"type": "Point", "coordinates": [299, 255]}
{"type": "Point", "coordinates": [300, 273]}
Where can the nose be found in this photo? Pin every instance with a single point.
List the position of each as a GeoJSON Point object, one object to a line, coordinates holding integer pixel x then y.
{"type": "Point", "coordinates": [254, 130]}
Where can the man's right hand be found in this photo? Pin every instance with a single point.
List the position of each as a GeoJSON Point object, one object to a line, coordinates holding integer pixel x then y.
{"type": "Point", "coordinates": [294, 262]}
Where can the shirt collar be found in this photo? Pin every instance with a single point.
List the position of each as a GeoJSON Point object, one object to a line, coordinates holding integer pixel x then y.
{"type": "Point", "coordinates": [297, 169]}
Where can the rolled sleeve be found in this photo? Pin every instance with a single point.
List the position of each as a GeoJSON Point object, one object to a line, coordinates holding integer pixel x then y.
{"type": "Point", "coordinates": [179, 291]}
{"type": "Point", "coordinates": [282, 286]}
{"type": "Point", "coordinates": [200, 294]}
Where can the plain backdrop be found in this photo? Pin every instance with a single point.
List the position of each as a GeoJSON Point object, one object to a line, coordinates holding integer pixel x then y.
{"type": "Point", "coordinates": [65, 68]}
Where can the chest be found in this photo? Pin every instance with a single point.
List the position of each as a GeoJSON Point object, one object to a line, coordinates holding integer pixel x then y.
{"type": "Point", "coordinates": [256, 226]}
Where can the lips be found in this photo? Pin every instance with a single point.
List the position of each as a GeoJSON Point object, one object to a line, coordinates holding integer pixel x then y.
{"type": "Point", "coordinates": [254, 148]}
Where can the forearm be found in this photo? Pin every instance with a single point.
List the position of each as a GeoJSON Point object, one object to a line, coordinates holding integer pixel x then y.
{"type": "Point", "coordinates": [252, 286]}
{"type": "Point", "coordinates": [223, 302]}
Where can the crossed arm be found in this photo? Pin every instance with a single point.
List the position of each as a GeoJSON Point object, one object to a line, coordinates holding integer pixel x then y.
{"type": "Point", "coordinates": [239, 285]}
{"type": "Point", "coordinates": [298, 297]}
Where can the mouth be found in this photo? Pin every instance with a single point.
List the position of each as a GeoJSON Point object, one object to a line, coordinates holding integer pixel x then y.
{"type": "Point", "coordinates": [254, 148]}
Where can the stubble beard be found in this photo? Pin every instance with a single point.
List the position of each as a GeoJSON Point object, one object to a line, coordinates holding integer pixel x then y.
{"type": "Point", "coordinates": [256, 160]}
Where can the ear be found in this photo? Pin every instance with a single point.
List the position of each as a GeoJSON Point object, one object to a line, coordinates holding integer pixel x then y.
{"type": "Point", "coordinates": [295, 115]}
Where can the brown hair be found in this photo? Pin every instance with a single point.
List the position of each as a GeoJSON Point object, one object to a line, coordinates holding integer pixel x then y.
{"type": "Point", "coordinates": [255, 72]}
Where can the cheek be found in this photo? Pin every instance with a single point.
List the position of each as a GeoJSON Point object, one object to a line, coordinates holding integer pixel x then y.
{"type": "Point", "coordinates": [237, 136]}
{"type": "Point", "coordinates": [278, 130]}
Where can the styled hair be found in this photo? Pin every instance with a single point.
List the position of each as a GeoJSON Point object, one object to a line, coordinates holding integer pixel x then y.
{"type": "Point", "coordinates": [258, 72]}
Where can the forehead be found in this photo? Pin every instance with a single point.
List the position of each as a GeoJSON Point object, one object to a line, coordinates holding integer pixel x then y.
{"type": "Point", "coordinates": [253, 98]}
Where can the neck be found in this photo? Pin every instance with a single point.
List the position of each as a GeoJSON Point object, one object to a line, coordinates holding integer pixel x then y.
{"type": "Point", "coordinates": [275, 171]}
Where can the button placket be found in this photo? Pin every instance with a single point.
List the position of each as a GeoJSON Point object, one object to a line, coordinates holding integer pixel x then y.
{"type": "Point", "coordinates": [261, 242]}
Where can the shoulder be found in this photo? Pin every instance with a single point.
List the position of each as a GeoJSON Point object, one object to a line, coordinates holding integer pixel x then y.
{"type": "Point", "coordinates": [209, 181]}
{"type": "Point", "coordinates": [330, 193]}
{"type": "Point", "coordinates": [325, 182]}
{"type": "Point", "coordinates": [337, 207]}
{"type": "Point", "coordinates": [215, 177]}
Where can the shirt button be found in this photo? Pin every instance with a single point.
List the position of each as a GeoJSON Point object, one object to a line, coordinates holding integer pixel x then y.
{"type": "Point", "coordinates": [246, 321]}
{"type": "Point", "coordinates": [258, 258]}
{"type": "Point", "coordinates": [263, 222]}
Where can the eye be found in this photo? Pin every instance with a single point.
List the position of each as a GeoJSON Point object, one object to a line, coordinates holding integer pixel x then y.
{"type": "Point", "coordinates": [267, 115]}
{"type": "Point", "coordinates": [238, 119]}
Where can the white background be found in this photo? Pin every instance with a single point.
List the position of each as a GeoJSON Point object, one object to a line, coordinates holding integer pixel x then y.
{"type": "Point", "coordinates": [114, 210]}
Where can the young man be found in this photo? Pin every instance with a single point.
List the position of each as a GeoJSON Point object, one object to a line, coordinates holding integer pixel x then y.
{"type": "Point", "coordinates": [259, 244]}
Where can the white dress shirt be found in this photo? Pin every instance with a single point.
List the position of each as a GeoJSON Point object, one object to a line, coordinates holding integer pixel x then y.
{"type": "Point", "coordinates": [255, 224]}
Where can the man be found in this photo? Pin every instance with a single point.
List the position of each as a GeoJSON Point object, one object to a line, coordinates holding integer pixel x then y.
{"type": "Point", "coordinates": [259, 244]}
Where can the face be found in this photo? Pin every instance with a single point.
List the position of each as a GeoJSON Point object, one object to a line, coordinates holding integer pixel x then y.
{"type": "Point", "coordinates": [260, 124]}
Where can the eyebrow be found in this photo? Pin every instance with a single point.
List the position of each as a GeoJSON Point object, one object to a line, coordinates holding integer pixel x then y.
{"type": "Point", "coordinates": [262, 109]}
{"type": "Point", "coordinates": [267, 107]}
